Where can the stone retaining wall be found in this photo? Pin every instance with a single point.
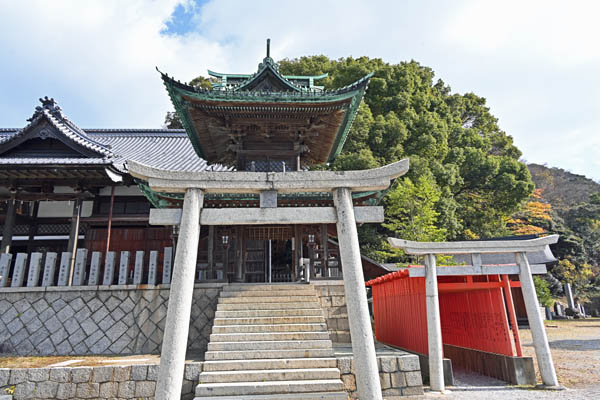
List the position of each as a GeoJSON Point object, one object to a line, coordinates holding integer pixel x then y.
{"type": "Point", "coordinates": [399, 375]}
{"type": "Point", "coordinates": [94, 320]}
{"type": "Point", "coordinates": [333, 301]}
{"type": "Point", "coordinates": [110, 382]}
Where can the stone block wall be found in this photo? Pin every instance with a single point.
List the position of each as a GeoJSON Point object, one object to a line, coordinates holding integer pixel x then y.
{"type": "Point", "coordinates": [106, 382]}
{"type": "Point", "coordinates": [97, 320]}
{"type": "Point", "coordinates": [399, 375]}
{"type": "Point", "coordinates": [333, 301]}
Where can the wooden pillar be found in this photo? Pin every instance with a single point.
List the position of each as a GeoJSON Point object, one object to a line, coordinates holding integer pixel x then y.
{"type": "Point", "coordinates": [239, 253]}
{"type": "Point", "coordinates": [73, 237]}
{"type": "Point", "coordinates": [33, 227]}
{"type": "Point", "coordinates": [297, 251]}
{"type": "Point", "coordinates": [9, 224]}
{"type": "Point", "coordinates": [510, 305]}
{"type": "Point", "coordinates": [211, 251]}
{"type": "Point", "coordinates": [110, 216]}
{"type": "Point", "coordinates": [325, 247]}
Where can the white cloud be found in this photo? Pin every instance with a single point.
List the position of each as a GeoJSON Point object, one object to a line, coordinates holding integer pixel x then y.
{"type": "Point", "coordinates": [564, 33]}
{"type": "Point", "coordinates": [536, 62]}
{"type": "Point", "coordinates": [96, 58]}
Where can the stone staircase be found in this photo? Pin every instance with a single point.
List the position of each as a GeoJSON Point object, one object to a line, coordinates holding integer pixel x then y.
{"type": "Point", "coordinates": [269, 341]}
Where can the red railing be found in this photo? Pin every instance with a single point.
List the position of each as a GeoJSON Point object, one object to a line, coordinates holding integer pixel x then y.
{"type": "Point", "coordinates": [472, 311]}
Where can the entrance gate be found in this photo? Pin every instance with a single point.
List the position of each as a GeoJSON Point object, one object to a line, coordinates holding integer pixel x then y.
{"type": "Point", "coordinates": [425, 288]}
{"type": "Point", "coordinates": [267, 185]}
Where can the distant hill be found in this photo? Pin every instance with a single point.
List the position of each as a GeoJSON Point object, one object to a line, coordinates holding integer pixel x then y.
{"type": "Point", "coordinates": [562, 189]}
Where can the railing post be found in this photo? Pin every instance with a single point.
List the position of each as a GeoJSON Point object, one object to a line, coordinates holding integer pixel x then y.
{"type": "Point", "coordinates": [434, 330]}
{"type": "Point", "coordinates": [138, 272]}
{"type": "Point", "coordinates": [19, 271]}
{"type": "Point", "coordinates": [109, 268]}
{"type": "Point", "coordinates": [5, 260]}
{"type": "Point", "coordinates": [49, 269]}
{"type": "Point", "coordinates": [123, 267]}
{"type": "Point", "coordinates": [95, 268]}
{"type": "Point", "coordinates": [152, 267]}
{"type": "Point", "coordinates": [35, 267]}
{"type": "Point", "coordinates": [536, 323]}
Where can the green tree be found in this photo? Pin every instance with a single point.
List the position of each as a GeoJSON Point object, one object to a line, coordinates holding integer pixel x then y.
{"type": "Point", "coordinates": [451, 137]}
{"type": "Point", "coordinates": [410, 211]}
{"type": "Point", "coordinates": [543, 291]}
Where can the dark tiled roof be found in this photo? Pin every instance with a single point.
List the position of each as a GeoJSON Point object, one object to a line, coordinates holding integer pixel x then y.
{"type": "Point", "coordinates": [160, 148]}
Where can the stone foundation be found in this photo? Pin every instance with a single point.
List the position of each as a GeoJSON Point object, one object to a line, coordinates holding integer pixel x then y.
{"type": "Point", "coordinates": [333, 301]}
{"type": "Point", "coordinates": [399, 371]}
{"type": "Point", "coordinates": [97, 320]}
{"type": "Point", "coordinates": [399, 376]}
{"type": "Point", "coordinates": [123, 382]}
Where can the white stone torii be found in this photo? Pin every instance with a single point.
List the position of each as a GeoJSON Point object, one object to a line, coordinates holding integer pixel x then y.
{"type": "Point", "coordinates": [520, 248]}
{"type": "Point", "coordinates": [267, 184]}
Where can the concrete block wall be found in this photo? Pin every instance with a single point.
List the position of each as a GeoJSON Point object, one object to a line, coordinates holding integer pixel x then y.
{"type": "Point", "coordinates": [333, 301]}
{"type": "Point", "coordinates": [106, 382]}
{"type": "Point", "coordinates": [95, 320]}
{"type": "Point", "coordinates": [399, 375]}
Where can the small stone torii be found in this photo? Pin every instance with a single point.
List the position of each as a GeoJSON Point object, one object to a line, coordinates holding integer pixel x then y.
{"type": "Point", "coordinates": [195, 184]}
{"type": "Point", "coordinates": [519, 248]}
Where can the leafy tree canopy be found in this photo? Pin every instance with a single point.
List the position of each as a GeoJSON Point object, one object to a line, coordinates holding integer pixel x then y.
{"type": "Point", "coordinates": [465, 176]}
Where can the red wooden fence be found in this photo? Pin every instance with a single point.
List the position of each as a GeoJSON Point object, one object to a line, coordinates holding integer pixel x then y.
{"type": "Point", "coordinates": [472, 312]}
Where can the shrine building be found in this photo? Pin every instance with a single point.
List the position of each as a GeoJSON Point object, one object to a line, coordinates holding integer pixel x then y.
{"type": "Point", "coordinates": [231, 245]}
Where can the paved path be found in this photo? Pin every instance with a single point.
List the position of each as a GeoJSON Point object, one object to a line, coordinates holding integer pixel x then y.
{"type": "Point", "coordinates": [473, 386]}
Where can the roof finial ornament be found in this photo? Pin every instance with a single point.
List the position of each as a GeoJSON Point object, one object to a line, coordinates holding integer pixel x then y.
{"type": "Point", "coordinates": [268, 47]}
{"type": "Point", "coordinates": [50, 105]}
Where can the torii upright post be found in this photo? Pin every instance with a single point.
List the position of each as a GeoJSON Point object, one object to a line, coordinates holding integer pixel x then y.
{"type": "Point", "coordinates": [536, 323]}
{"type": "Point", "coordinates": [363, 345]}
{"type": "Point", "coordinates": [174, 345]}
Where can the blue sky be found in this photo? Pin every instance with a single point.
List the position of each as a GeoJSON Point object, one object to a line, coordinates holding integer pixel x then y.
{"type": "Point", "coordinates": [536, 62]}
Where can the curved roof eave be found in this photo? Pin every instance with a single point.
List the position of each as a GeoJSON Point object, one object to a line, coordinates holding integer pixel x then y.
{"type": "Point", "coordinates": [354, 91]}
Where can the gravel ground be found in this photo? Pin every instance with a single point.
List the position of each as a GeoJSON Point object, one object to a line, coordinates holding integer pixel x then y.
{"type": "Point", "coordinates": [575, 346]}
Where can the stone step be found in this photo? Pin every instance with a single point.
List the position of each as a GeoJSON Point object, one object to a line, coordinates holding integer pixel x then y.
{"type": "Point", "coordinates": [254, 337]}
{"type": "Point", "coordinates": [270, 313]}
{"type": "Point", "coordinates": [269, 328]}
{"type": "Point", "coordinates": [266, 286]}
{"type": "Point", "coordinates": [266, 306]}
{"type": "Point", "coordinates": [270, 375]}
{"type": "Point", "coordinates": [267, 354]}
{"type": "Point", "coordinates": [284, 363]}
{"type": "Point", "coordinates": [269, 320]}
{"type": "Point", "coordinates": [267, 293]}
{"type": "Point", "coordinates": [278, 387]}
{"type": "Point", "coordinates": [269, 299]}
{"type": "Point", "coordinates": [270, 345]}
{"type": "Point", "coordinates": [291, 396]}
{"type": "Point", "coordinates": [265, 328]}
